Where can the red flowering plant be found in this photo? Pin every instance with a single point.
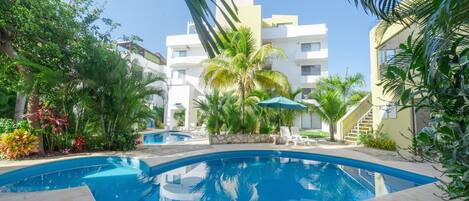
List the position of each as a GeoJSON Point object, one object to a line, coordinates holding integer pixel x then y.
{"type": "Point", "coordinates": [51, 122]}
{"type": "Point", "coordinates": [79, 143]}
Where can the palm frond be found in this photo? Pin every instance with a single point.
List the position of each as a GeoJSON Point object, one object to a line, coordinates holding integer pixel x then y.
{"type": "Point", "coordinates": [203, 17]}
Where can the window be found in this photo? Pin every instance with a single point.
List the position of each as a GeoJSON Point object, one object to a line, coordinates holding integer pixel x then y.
{"type": "Point", "coordinates": [178, 74]}
{"type": "Point", "coordinates": [310, 47]}
{"type": "Point", "coordinates": [305, 93]}
{"type": "Point", "coordinates": [180, 53]}
{"type": "Point", "coordinates": [386, 56]}
{"type": "Point", "coordinates": [311, 70]}
{"type": "Point", "coordinates": [390, 54]}
{"type": "Point", "coordinates": [389, 111]}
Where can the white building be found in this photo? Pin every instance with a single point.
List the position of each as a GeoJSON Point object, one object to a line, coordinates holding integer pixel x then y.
{"type": "Point", "coordinates": [305, 45]}
{"type": "Point", "coordinates": [150, 63]}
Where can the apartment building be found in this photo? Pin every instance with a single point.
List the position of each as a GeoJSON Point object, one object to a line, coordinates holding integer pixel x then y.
{"type": "Point", "coordinates": [387, 116]}
{"type": "Point", "coordinates": [305, 45]}
{"type": "Point", "coordinates": [149, 63]}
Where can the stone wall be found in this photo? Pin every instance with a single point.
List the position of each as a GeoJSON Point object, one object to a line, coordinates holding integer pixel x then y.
{"type": "Point", "coordinates": [240, 139]}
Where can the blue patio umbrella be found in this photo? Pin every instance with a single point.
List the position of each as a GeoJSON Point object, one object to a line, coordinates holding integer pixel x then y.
{"type": "Point", "coordinates": [282, 103]}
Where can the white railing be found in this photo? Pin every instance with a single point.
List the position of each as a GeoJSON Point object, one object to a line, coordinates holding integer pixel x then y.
{"type": "Point", "coordinates": [353, 115]}
{"type": "Point", "coordinates": [363, 117]}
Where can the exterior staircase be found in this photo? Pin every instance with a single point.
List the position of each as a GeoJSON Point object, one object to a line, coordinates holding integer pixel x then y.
{"type": "Point", "coordinates": [363, 126]}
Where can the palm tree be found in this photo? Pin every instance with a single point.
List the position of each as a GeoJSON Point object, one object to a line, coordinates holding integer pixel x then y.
{"type": "Point", "coordinates": [345, 86]}
{"type": "Point", "coordinates": [334, 95]}
{"type": "Point", "coordinates": [330, 106]}
{"type": "Point", "coordinates": [211, 107]}
{"type": "Point", "coordinates": [240, 67]}
{"type": "Point", "coordinates": [288, 116]}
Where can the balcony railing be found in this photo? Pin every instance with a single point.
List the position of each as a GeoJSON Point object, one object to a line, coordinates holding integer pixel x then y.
{"type": "Point", "coordinates": [177, 81]}
{"type": "Point", "coordinates": [302, 56]}
{"type": "Point", "coordinates": [186, 61]}
{"type": "Point", "coordinates": [310, 79]}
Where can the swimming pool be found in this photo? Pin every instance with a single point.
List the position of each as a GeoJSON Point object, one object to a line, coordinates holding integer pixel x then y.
{"type": "Point", "coordinates": [234, 175]}
{"type": "Point", "coordinates": [164, 138]}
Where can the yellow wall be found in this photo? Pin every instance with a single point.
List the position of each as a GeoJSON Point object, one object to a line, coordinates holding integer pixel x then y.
{"type": "Point", "coordinates": [401, 125]}
{"type": "Point", "coordinates": [251, 16]}
{"type": "Point", "coordinates": [349, 120]}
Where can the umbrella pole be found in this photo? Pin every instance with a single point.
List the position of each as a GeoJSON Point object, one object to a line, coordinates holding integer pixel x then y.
{"type": "Point", "coordinates": [279, 119]}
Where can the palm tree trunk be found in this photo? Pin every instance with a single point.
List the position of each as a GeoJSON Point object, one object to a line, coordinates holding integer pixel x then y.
{"type": "Point", "coordinates": [243, 109]}
{"type": "Point", "coordinates": [6, 46]}
{"type": "Point", "coordinates": [33, 108]}
{"type": "Point", "coordinates": [332, 130]}
{"type": "Point", "coordinates": [19, 106]}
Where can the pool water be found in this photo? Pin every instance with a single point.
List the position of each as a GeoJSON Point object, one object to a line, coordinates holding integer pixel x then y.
{"type": "Point", "coordinates": [164, 138]}
{"type": "Point", "coordinates": [242, 175]}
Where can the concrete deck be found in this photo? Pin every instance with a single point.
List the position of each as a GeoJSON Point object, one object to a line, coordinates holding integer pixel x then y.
{"type": "Point", "coordinates": [159, 154]}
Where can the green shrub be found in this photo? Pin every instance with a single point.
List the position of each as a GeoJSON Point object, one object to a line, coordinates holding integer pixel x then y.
{"type": "Point", "coordinates": [250, 123]}
{"type": "Point", "coordinates": [8, 125]}
{"type": "Point", "coordinates": [267, 128]}
{"type": "Point", "coordinates": [377, 142]}
{"type": "Point", "coordinates": [17, 144]}
{"type": "Point", "coordinates": [232, 119]}
{"type": "Point", "coordinates": [125, 141]}
{"type": "Point", "coordinates": [180, 117]}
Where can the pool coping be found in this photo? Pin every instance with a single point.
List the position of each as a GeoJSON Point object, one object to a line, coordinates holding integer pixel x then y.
{"type": "Point", "coordinates": [424, 193]}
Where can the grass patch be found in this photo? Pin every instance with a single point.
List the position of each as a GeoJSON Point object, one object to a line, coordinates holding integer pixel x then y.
{"type": "Point", "coordinates": [314, 134]}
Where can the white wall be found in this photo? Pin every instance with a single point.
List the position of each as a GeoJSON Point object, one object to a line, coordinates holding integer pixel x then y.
{"type": "Point", "coordinates": [291, 67]}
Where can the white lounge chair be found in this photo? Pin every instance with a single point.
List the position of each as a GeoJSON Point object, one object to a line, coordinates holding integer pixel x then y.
{"type": "Point", "coordinates": [288, 137]}
{"type": "Point", "coordinates": [295, 131]}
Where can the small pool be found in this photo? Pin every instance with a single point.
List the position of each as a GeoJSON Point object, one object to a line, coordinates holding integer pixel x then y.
{"type": "Point", "coordinates": [235, 175]}
{"type": "Point", "coordinates": [164, 138]}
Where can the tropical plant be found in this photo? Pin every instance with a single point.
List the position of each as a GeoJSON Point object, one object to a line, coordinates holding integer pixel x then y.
{"type": "Point", "coordinates": [334, 95]}
{"type": "Point", "coordinates": [17, 144]}
{"type": "Point", "coordinates": [202, 15]}
{"type": "Point", "coordinates": [240, 65]}
{"type": "Point", "coordinates": [118, 103]}
{"type": "Point", "coordinates": [330, 107]}
{"type": "Point", "coordinates": [8, 125]}
{"type": "Point", "coordinates": [288, 116]}
{"type": "Point", "coordinates": [211, 109]}
{"type": "Point", "coordinates": [180, 117]}
{"type": "Point", "coordinates": [443, 91]}
{"type": "Point", "coordinates": [378, 140]}
{"type": "Point", "coordinates": [159, 117]}
{"type": "Point", "coordinates": [346, 86]}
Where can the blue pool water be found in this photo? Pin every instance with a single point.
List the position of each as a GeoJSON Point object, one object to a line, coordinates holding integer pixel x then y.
{"type": "Point", "coordinates": [239, 175]}
{"type": "Point", "coordinates": [164, 138]}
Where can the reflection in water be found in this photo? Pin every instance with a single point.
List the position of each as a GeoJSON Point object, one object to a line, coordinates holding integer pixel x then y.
{"type": "Point", "coordinates": [271, 178]}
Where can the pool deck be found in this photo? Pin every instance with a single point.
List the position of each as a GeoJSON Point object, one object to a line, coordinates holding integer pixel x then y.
{"type": "Point", "coordinates": [159, 154]}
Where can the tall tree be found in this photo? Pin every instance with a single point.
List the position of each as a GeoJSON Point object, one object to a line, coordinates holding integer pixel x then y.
{"type": "Point", "coordinates": [240, 67]}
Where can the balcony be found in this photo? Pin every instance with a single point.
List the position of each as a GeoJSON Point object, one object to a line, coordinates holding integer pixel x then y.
{"type": "Point", "coordinates": [315, 55]}
{"type": "Point", "coordinates": [319, 30]}
{"type": "Point", "coordinates": [186, 61]}
{"type": "Point", "coordinates": [177, 81]}
{"type": "Point", "coordinates": [310, 79]}
{"type": "Point", "coordinates": [183, 40]}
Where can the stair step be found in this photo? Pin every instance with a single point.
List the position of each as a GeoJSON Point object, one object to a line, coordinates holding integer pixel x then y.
{"type": "Point", "coordinates": [350, 142]}
{"type": "Point", "coordinates": [351, 138]}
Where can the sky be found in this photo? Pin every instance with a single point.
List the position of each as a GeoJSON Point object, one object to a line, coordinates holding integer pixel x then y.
{"type": "Point", "coordinates": [348, 26]}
